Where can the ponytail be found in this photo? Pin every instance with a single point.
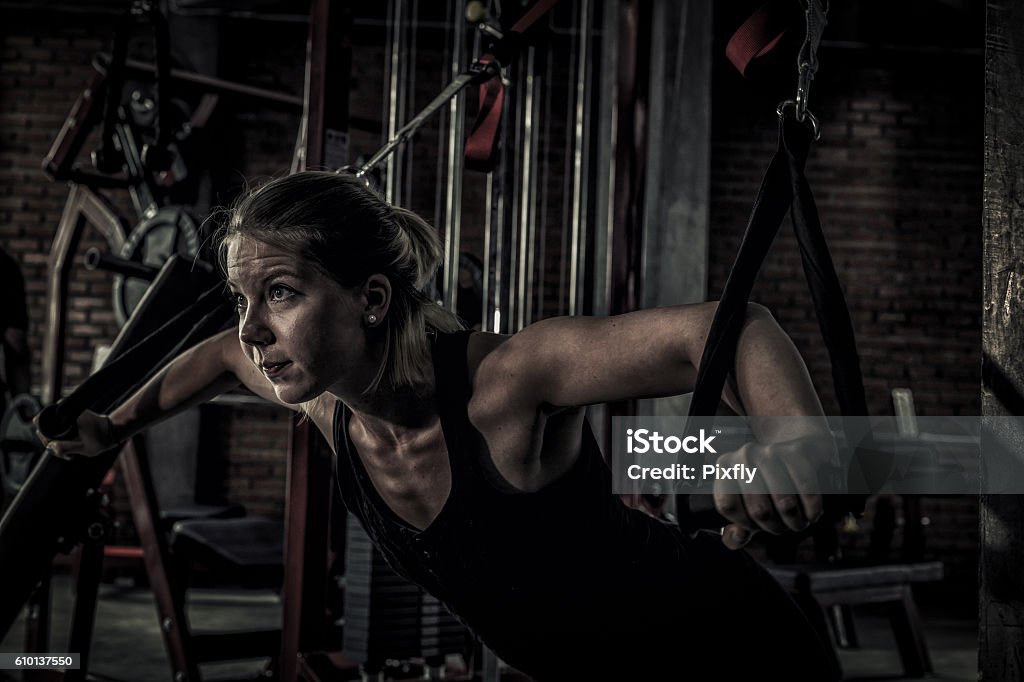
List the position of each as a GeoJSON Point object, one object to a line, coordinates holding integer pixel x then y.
{"type": "Point", "coordinates": [406, 351]}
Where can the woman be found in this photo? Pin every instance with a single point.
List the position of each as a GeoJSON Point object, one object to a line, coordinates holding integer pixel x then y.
{"type": "Point", "coordinates": [467, 458]}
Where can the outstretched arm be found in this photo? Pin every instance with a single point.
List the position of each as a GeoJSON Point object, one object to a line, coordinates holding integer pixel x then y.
{"type": "Point", "coordinates": [197, 375]}
{"type": "Point", "coordinates": [654, 353]}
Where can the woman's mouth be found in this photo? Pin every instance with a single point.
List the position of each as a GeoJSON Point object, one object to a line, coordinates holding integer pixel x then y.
{"type": "Point", "coordinates": [272, 370]}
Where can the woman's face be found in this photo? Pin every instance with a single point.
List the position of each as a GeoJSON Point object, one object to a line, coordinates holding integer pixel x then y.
{"type": "Point", "coordinates": [302, 330]}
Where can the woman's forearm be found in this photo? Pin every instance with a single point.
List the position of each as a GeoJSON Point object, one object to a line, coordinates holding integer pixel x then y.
{"type": "Point", "coordinates": [772, 380]}
{"type": "Point", "coordinates": [195, 376]}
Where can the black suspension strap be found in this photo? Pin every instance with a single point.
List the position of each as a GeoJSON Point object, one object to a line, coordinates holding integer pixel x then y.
{"type": "Point", "coordinates": [785, 188]}
{"type": "Point", "coordinates": [127, 370]}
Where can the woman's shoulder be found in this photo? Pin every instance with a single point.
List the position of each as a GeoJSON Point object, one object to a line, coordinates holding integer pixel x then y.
{"type": "Point", "coordinates": [479, 346]}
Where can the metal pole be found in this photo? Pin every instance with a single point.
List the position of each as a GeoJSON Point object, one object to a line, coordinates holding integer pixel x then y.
{"type": "Point", "coordinates": [580, 164]}
{"type": "Point", "coordinates": [453, 177]}
{"type": "Point", "coordinates": [607, 139]}
{"type": "Point", "coordinates": [524, 194]}
{"type": "Point", "coordinates": [394, 95]}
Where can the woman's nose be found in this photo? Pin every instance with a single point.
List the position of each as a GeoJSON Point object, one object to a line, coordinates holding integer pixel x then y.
{"type": "Point", "coordinates": [252, 331]}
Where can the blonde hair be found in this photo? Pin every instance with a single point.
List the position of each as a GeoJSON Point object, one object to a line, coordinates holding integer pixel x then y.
{"type": "Point", "coordinates": [347, 232]}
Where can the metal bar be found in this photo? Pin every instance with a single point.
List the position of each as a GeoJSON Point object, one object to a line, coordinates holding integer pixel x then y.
{"type": "Point", "coordinates": [394, 96]}
{"type": "Point", "coordinates": [495, 272]}
{"type": "Point", "coordinates": [541, 210]}
{"type": "Point", "coordinates": [607, 138]}
{"type": "Point", "coordinates": [309, 149]}
{"type": "Point", "coordinates": [409, 128]}
{"type": "Point", "coordinates": [580, 163]}
{"type": "Point", "coordinates": [524, 180]}
{"type": "Point", "coordinates": [513, 238]}
{"type": "Point", "coordinates": [567, 175]}
{"type": "Point", "coordinates": [80, 120]}
{"type": "Point", "coordinates": [142, 198]}
{"type": "Point", "coordinates": [405, 196]}
{"type": "Point", "coordinates": [453, 194]}
{"type": "Point", "coordinates": [83, 619]}
{"type": "Point", "coordinates": [222, 86]}
{"type": "Point", "coordinates": [81, 205]}
{"type": "Point", "coordinates": [170, 600]}
{"type": "Point", "coordinates": [487, 321]}
{"type": "Point", "coordinates": [535, 96]}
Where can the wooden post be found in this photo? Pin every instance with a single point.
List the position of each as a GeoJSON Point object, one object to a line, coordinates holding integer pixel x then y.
{"type": "Point", "coordinates": [1001, 586]}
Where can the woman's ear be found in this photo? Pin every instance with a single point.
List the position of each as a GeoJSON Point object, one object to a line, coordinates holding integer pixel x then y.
{"type": "Point", "coordinates": [377, 297]}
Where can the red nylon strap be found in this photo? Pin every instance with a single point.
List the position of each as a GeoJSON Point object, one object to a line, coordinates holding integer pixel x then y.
{"type": "Point", "coordinates": [532, 15]}
{"type": "Point", "coordinates": [759, 34]}
{"type": "Point", "coordinates": [482, 144]}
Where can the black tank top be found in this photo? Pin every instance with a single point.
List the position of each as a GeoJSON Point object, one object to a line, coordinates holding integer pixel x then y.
{"type": "Point", "coordinates": [566, 580]}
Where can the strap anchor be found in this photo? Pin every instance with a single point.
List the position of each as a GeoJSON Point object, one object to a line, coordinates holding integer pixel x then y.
{"type": "Point", "coordinates": [815, 14]}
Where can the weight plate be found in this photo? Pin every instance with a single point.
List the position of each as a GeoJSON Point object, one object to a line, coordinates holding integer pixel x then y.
{"type": "Point", "coordinates": [152, 242]}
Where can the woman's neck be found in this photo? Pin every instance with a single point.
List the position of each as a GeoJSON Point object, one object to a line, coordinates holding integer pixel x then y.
{"type": "Point", "coordinates": [390, 415]}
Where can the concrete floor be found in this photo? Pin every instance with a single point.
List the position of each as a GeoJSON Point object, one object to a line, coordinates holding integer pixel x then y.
{"type": "Point", "coordinates": [127, 644]}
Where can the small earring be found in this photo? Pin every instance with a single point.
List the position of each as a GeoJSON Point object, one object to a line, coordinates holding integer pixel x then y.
{"type": "Point", "coordinates": [371, 319]}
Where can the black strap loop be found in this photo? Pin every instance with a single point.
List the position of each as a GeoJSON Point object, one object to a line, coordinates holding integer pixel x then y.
{"type": "Point", "coordinates": [128, 369]}
{"type": "Point", "coordinates": [783, 187]}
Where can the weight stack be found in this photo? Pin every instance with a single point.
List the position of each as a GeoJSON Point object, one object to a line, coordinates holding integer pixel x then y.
{"type": "Point", "coordinates": [387, 617]}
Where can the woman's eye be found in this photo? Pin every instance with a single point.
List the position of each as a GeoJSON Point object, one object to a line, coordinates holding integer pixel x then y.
{"type": "Point", "coordinates": [237, 300]}
{"type": "Point", "coordinates": [279, 292]}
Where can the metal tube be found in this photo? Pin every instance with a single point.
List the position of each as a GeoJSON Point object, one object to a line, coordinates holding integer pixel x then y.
{"type": "Point", "coordinates": [393, 95]}
{"type": "Point", "coordinates": [567, 175]}
{"type": "Point", "coordinates": [406, 131]}
{"type": "Point", "coordinates": [494, 246]}
{"type": "Point", "coordinates": [580, 164]}
{"type": "Point", "coordinates": [453, 193]}
{"type": "Point", "coordinates": [515, 191]}
{"type": "Point", "coordinates": [486, 321]}
{"type": "Point", "coordinates": [533, 291]}
{"type": "Point", "coordinates": [410, 102]}
{"type": "Point", "coordinates": [452, 18]}
{"type": "Point", "coordinates": [607, 135]}
{"type": "Point", "coordinates": [96, 259]}
{"type": "Point", "coordinates": [524, 211]}
{"type": "Point", "coordinates": [541, 206]}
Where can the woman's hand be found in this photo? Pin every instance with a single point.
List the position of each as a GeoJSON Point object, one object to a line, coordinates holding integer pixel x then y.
{"type": "Point", "coordinates": [783, 495]}
{"type": "Point", "coordinates": [95, 434]}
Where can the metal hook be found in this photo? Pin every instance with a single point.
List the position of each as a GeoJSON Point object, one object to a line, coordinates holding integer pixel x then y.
{"type": "Point", "coordinates": [808, 116]}
{"type": "Point", "coordinates": [815, 14]}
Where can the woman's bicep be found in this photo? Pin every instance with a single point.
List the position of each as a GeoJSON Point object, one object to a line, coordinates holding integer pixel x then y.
{"type": "Point", "coordinates": [585, 360]}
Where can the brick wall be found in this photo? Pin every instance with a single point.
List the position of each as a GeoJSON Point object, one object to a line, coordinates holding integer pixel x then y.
{"type": "Point", "coordinates": [44, 67]}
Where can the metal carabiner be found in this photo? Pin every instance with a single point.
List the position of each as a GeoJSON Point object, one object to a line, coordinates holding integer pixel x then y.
{"type": "Point", "coordinates": [815, 15]}
{"type": "Point", "coordinates": [808, 116]}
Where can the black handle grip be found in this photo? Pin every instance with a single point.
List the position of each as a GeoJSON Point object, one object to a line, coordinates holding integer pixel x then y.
{"type": "Point", "coordinates": [700, 512]}
{"type": "Point", "coordinates": [96, 259]}
{"type": "Point", "coordinates": [58, 422]}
